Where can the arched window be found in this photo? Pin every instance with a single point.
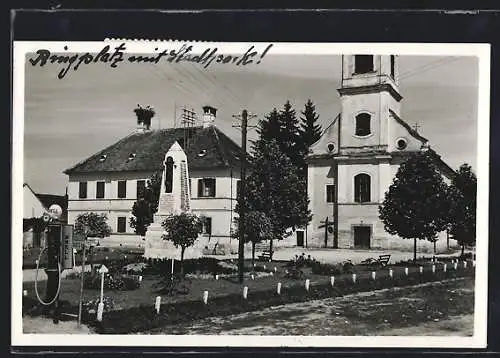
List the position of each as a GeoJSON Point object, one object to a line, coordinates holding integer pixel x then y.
{"type": "Point", "coordinates": [363, 124]}
{"type": "Point", "coordinates": [363, 63]}
{"type": "Point", "coordinates": [362, 183]}
{"type": "Point", "coordinates": [169, 174]}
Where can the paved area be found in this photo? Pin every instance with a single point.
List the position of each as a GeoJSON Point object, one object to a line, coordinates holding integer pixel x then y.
{"type": "Point", "coordinates": [45, 325]}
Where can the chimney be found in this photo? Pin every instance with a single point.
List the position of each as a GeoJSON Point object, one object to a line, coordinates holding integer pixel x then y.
{"type": "Point", "coordinates": [209, 114]}
{"type": "Point", "coordinates": [144, 115]}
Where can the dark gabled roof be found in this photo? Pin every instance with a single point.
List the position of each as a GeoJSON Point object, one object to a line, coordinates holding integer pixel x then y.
{"type": "Point", "coordinates": [49, 199]}
{"type": "Point", "coordinates": [208, 148]}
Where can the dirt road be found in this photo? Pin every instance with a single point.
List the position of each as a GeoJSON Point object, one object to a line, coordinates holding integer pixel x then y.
{"type": "Point", "coordinates": [442, 308]}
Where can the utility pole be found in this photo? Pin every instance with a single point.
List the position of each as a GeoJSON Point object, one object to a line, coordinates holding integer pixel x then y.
{"type": "Point", "coordinates": [242, 204]}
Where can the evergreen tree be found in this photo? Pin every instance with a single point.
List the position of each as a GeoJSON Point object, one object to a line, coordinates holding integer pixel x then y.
{"type": "Point", "coordinates": [463, 191]}
{"type": "Point", "coordinates": [310, 131]}
{"type": "Point", "coordinates": [146, 206]}
{"type": "Point", "coordinates": [275, 188]}
{"type": "Point", "coordinates": [269, 128]}
{"type": "Point", "coordinates": [417, 203]}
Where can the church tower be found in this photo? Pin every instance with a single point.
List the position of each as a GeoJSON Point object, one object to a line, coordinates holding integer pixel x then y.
{"type": "Point", "coordinates": [369, 94]}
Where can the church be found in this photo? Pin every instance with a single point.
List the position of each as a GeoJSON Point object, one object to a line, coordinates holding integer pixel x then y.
{"type": "Point", "coordinates": [352, 165]}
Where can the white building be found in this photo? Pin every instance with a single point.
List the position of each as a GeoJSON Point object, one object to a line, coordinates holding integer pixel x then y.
{"type": "Point", "coordinates": [109, 181]}
{"type": "Point", "coordinates": [352, 165]}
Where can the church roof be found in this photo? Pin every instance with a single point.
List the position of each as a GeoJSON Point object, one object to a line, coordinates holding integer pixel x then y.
{"type": "Point", "coordinates": [208, 148]}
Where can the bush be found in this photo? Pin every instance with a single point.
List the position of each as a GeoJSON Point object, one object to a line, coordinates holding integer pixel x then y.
{"type": "Point", "coordinates": [90, 307]}
{"type": "Point", "coordinates": [112, 281]}
{"type": "Point", "coordinates": [294, 273]}
{"type": "Point", "coordinates": [177, 286]}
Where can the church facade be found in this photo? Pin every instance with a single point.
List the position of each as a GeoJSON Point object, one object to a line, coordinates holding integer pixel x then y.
{"type": "Point", "coordinates": [352, 165]}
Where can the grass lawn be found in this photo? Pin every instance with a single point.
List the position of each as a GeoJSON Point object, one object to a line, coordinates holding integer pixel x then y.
{"type": "Point", "coordinates": [147, 293]}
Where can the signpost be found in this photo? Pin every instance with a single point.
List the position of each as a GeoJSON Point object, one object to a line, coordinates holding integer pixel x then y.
{"type": "Point", "coordinates": [100, 308]}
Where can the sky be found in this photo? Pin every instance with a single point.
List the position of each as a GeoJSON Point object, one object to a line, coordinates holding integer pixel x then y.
{"type": "Point", "coordinates": [67, 120]}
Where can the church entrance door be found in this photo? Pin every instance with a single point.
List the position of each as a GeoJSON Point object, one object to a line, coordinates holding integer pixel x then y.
{"type": "Point", "coordinates": [362, 236]}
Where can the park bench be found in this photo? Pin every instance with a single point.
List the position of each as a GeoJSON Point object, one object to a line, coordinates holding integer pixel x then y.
{"type": "Point", "coordinates": [266, 255]}
{"type": "Point", "coordinates": [382, 260]}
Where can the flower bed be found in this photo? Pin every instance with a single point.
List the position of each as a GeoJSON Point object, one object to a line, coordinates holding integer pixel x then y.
{"type": "Point", "coordinates": [144, 318]}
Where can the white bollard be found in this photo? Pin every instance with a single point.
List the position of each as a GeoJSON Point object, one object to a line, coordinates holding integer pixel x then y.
{"type": "Point", "coordinates": [307, 284]}
{"type": "Point", "coordinates": [25, 293]}
{"type": "Point", "coordinates": [391, 273]}
{"type": "Point", "coordinates": [406, 271]}
{"type": "Point", "coordinates": [433, 268]}
{"type": "Point", "coordinates": [271, 273]}
{"type": "Point", "coordinates": [278, 288]}
{"type": "Point", "coordinates": [245, 292]}
{"type": "Point", "coordinates": [465, 264]}
{"type": "Point", "coordinates": [332, 280]}
{"type": "Point", "coordinates": [253, 277]}
{"type": "Point", "coordinates": [353, 278]}
{"type": "Point", "coordinates": [140, 278]}
{"type": "Point", "coordinates": [421, 269]}
{"type": "Point", "coordinates": [157, 304]}
{"type": "Point", "coordinates": [205, 297]}
{"type": "Point", "coordinates": [455, 265]}
{"type": "Point", "coordinates": [474, 263]}
{"type": "Point", "coordinates": [216, 277]}
{"type": "Point", "coordinates": [100, 310]}
{"type": "Point", "coordinates": [275, 269]}
{"type": "Point", "coordinates": [374, 274]}
{"type": "Point", "coordinates": [264, 267]}
{"type": "Point", "coordinates": [445, 266]}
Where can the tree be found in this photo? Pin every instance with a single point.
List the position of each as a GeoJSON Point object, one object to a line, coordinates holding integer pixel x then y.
{"type": "Point", "coordinates": [144, 115]}
{"type": "Point", "coordinates": [92, 225]}
{"type": "Point", "coordinates": [183, 230]}
{"type": "Point", "coordinates": [258, 228]}
{"type": "Point", "coordinates": [416, 205]}
{"type": "Point", "coordinates": [146, 206]}
{"type": "Point", "coordinates": [310, 131]}
{"type": "Point", "coordinates": [463, 192]}
{"type": "Point", "coordinates": [275, 188]}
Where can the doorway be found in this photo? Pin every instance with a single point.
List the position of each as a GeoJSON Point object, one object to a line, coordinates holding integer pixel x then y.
{"type": "Point", "coordinates": [300, 238]}
{"type": "Point", "coordinates": [362, 236]}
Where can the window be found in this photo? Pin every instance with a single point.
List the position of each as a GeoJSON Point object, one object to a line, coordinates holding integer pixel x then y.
{"type": "Point", "coordinates": [206, 225]}
{"type": "Point", "coordinates": [82, 190]}
{"type": "Point", "coordinates": [190, 185]}
{"type": "Point", "coordinates": [206, 188]}
{"type": "Point", "coordinates": [363, 124]}
{"type": "Point", "coordinates": [330, 193]}
{"type": "Point", "coordinates": [363, 63]}
{"type": "Point", "coordinates": [122, 189]}
{"type": "Point", "coordinates": [122, 224]}
{"type": "Point", "coordinates": [393, 60]}
{"type": "Point", "coordinates": [401, 144]}
{"type": "Point", "coordinates": [362, 188]}
{"type": "Point", "coordinates": [141, 188]}
{"type": "Point", "coordinates": [99, 193]}
{"type": "Point", "coordinates": [169, 174]}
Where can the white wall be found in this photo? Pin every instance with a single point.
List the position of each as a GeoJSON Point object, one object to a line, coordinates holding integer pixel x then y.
{"type": "Point", "coordinates": [33, 208]}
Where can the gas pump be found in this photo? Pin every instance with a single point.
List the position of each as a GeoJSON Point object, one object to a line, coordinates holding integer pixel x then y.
{"type": "Point", "coordinates": [59, 247]}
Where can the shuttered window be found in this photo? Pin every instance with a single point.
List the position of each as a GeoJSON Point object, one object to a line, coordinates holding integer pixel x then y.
{"type": "Point", "coordinates": [99, 192]}
{"type": "Point", "coordinates": [122, 224]}
{"type": "Point", "coordinates": [82, 190]}
{"type": "Point", "coordinates": [206, 188]}
{"type": "Point", "coordinates": [122, 189]}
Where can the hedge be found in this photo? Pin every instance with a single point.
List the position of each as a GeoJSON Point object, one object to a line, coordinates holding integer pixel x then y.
{"type": "Point", "coordinates": [144, 318]}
